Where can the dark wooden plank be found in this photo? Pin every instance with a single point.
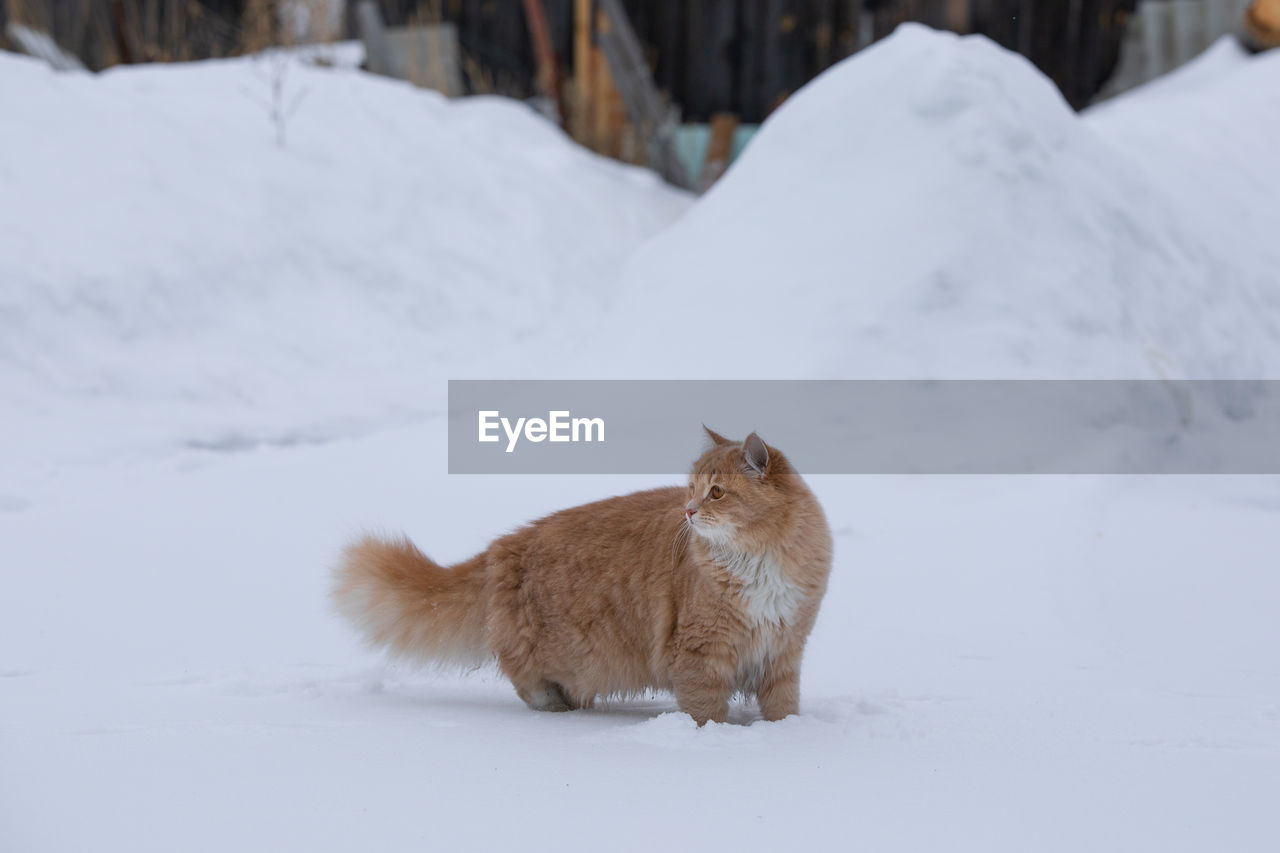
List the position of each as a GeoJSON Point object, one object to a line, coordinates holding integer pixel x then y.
{"type": "Point", "coordinates": [671, 73]}
{"type": "Point", "coordinates": [710, 70]}
{"type": "Point", "coordinates": [1087, 59]}
{"type": "Point", "coordinates": [718, 51]}
{"type": "Point", "coordinates": [559, 14]}
{"type": "Point", "coordinates": [823, 23]}
{"type": "Point", "coordinates": [696, 99]}
{"type": "Point", "coordinates": [1069, 73]}
{"type": "Point", "coordinates": [884, 19]}
{"type": "Point", "coordinates": [999, 20]}
{"type": "Point", "coordinates": [794, 33]}
{"type": "Point", "coordinates": [1117, 16]}
{"type": "Point", "coordinates": [1026, 27]}
{"type": "Point", "coordinates": [643, 14]}
{"type": "Point", "coordinates": [848, 18]}
{"type": "Point", "coordinates": [120, 30]}
{"type": "Point", "coordinates": [751, 33]}
{"type": "Point", "coordinates": [471, 28]}
{"type": "Point", "coordinates": [771, 69]}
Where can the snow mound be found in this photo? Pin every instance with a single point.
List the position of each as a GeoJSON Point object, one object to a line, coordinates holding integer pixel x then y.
{"type": "Point", "coordinates": [1207, 136]}
{"type": "Point", "coordinates": [163, 253]}
{"type": "Point", "coordinates": [1223, 56]}
{"type": "Point", "coordinates": [933, 208]}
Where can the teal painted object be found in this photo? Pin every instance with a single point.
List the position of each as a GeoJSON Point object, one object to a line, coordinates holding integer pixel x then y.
{"type": "Point", "coordinates": [691, 146]}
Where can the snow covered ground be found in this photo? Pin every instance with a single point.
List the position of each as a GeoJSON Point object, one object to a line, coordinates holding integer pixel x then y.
{"type": "Point", "coordinates": [221, 358]}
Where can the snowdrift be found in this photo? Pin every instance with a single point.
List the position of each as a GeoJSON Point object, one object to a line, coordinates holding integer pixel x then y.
{"type": "Point", "coordinates": [1207, 136]}
{"type": "Point", "coordinates": [932, 208]}
{"type": "Point", "coordinates": [162, 253]}
{"type": "Point", "coordinates": [928, 208]}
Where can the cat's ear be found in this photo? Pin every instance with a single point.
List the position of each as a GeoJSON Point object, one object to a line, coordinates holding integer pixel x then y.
{"type": "Point", "coordinates": [757, 454]}
{"type": "Point", "coordinates": [716, 438]}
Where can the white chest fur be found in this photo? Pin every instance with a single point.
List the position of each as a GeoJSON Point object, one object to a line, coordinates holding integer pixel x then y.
{"type": "Point", "coordinates": [770, 598]}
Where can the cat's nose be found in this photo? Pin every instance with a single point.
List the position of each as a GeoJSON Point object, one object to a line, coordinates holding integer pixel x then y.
{"type": "Point", "coordinates": [689, 513]}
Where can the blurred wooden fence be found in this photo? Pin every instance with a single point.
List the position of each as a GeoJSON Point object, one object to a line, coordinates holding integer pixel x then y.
{"type": "Point", "coordinates": [109, 32]}
{"type": "Point", "coordinates": [746, 56]}
{"type": "Point", "coordinates": [710, 56]}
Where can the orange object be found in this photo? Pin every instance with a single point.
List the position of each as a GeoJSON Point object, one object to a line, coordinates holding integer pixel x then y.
{"type": "Point", "coordinates": [1263, 22]}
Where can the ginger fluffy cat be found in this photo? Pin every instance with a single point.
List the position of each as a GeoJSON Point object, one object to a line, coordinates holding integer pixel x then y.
{"type": "Point", "coordinates": [703, 591]}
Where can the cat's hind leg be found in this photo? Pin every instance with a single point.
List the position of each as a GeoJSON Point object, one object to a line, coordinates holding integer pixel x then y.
{"type": "Point", "coordinates": [546, 696]}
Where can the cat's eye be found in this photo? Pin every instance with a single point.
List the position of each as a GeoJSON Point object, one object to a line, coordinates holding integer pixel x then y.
{"type": "Point", "coordinates": [716, 493]}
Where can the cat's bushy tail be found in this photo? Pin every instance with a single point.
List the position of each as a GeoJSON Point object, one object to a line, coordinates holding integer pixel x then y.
{"type": "Point", "coordinates": [404, 601]}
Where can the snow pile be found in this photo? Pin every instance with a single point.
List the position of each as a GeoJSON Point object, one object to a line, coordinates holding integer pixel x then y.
{"type": "Point", "coordinates": [932, 208]}
{"type": "Point", "coordinates": [1207, 136]}
{"type": "Point", "coordinates": [163, 254]}
{"type": "Point", "coordinates": [1225, 55]}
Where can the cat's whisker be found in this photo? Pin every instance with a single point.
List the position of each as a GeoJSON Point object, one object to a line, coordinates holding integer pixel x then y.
{"type": "Point", "coordinates": [679, 542]}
